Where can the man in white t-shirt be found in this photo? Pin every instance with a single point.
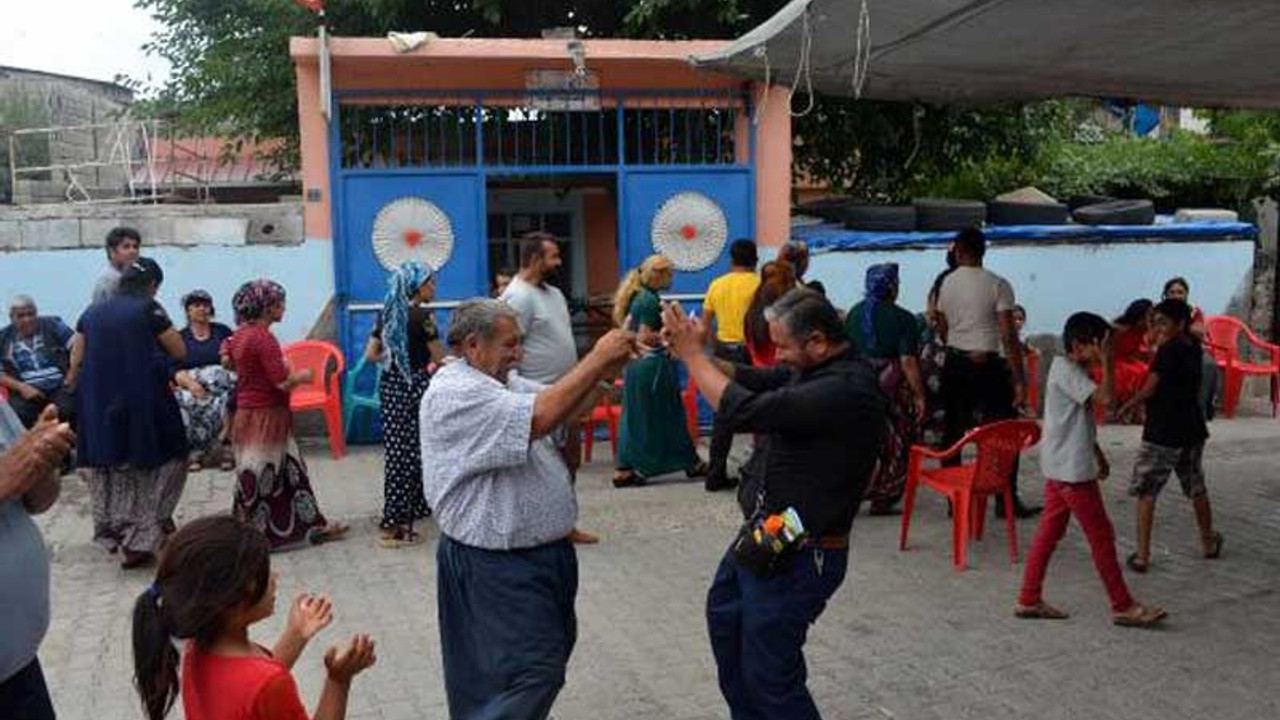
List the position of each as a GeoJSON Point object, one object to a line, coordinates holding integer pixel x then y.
{"type": "Point", "coordinates": [546, 333]}
{"type": "Point", "coordinates": [979, 386]}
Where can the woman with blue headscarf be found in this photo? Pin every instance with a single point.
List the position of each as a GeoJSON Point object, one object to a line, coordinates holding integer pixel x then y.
{"type": "Point", "coordinates": [404, 343]}
{"type": "Point", "coordinates": [889, 338]}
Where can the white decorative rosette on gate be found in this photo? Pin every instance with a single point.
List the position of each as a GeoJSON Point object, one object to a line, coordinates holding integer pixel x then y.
{"type": "Point", "coordinates": [412, 228]}
{"type": "Point", "coordinates": [690, 229]}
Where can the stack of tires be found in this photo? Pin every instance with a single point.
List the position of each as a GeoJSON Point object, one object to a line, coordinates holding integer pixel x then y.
{"type": "Point", "coordinates": [1026, 206]}
{"type": "Point", "coordinates": [925, 214]}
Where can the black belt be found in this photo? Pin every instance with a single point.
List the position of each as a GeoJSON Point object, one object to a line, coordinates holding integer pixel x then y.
{"type": "Point", "coordinates": [830, 542]}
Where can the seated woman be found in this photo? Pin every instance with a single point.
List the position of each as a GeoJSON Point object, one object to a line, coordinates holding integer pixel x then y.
{"type": "Point", "coordinates": [1179, 289]}
{"type": "Point", "coordinates": [1131, 352]}
{"type": "Point", "coordinates": [205, 387]}
{"type": "Point", "coordinates": [776, 279]}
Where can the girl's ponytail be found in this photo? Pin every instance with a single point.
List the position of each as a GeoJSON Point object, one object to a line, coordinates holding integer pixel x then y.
{"type": "Point", "coordinates": [155, 659]}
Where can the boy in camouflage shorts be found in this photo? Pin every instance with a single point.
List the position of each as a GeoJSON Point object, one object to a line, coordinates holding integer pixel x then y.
{"type": "Point", "coordinates": [1174, 433]}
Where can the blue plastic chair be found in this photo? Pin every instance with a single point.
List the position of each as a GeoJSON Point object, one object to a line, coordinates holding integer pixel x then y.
{"type": "Point", "coordinates": [352, 400]}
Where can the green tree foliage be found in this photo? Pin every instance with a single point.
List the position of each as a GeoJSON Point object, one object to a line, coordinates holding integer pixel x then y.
{"type": "Point", "coordinates": [895, 151]}
{"type": "Point", "coordinates": [232, 76]}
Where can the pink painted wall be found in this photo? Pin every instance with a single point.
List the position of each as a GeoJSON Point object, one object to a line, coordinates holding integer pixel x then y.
{"type": "Point", "coordinates": [453, 64]}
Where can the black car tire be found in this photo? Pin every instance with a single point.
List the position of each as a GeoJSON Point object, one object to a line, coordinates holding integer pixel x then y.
{"type": "Point", "coordinates": [882, 218]}
{"type": "Point", "coordinates": [1008, 213]}
{"type": "Point", "coordinates": [939, 214]}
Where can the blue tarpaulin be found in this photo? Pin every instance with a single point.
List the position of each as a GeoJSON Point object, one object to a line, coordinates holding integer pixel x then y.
{"type": "Point", "coordinates": [836, 238]}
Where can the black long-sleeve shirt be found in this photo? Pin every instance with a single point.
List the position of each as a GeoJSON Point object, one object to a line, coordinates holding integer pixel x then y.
{"type": "Point", "coordinates": [822, 432]}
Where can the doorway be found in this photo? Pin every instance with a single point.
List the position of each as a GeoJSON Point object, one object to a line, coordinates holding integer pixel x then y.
{"type": "Point", "coordinates": [581, 212]}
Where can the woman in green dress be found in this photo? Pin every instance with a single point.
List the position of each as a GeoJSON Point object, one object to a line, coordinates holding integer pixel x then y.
{"type": "Point", "coordinates": [652, 436]}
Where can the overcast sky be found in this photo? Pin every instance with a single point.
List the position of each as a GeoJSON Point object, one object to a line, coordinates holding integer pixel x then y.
{"type": "Point", "coordinates": [87, 38]}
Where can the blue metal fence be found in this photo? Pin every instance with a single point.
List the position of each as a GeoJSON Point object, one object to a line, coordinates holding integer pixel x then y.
{"type": "Point", "coordinates": [527, 130]}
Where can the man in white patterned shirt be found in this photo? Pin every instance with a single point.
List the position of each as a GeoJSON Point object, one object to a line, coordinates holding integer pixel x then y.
{"type": "Point", "coordinates": [506, 573]}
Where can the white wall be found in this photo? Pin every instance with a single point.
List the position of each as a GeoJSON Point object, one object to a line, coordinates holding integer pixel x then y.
{"type": "Point", "coordinates": [1053, 281]}
{"type": "Point", "coordinates": [61, 281]}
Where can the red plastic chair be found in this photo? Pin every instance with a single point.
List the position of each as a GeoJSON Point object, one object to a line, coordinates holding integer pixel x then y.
{"type": "Point", "coordinates": [969, 485]}
{"type": "Point", "coordinates": [608, 412]}
{"type": "Point", "coordinates": [324, 391]}
{"type": "Point", "coordinates": [1224, 343]}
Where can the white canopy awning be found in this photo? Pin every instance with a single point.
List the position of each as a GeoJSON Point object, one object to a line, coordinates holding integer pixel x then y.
{"type": "Point", "coordinates": [1197, 53]}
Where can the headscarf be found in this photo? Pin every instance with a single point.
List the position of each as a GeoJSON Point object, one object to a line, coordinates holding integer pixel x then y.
{"type": "Point", "coordinates": [254, 297]}
{"type": "Point", "coordinates": [402, 286]}
{"type": "Point", "coordinates": [882, 282]}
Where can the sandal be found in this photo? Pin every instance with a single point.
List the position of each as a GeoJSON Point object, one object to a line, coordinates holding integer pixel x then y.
{"type": "Point", "coordinates": [328, 533]}
{"type": "Point", "coordinates": [227, 465]}
{"type": "Point", "coordinates": [398, 538]}
{"type": "Point", "coordinates": [699, 469]}
{"type": "Point", "coordinates": [627, 478]}
{"type": "Point", "coordinates": [1215, 547]}
{"type": "Point", "coordinates": [195, 466]}
{"type": "Point", "coordinates": [1040, 611]}
{"type": "Point", "coordinates": [1137, 564]}
{"type": "Point", "coordinates": [1140, 616]}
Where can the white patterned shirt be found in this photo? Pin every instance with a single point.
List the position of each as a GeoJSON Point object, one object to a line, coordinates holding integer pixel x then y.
{"type": "Point", "coordinates": [490, 484]}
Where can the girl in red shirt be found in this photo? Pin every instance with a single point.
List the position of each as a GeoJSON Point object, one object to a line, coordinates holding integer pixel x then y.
{"type": "Point", "coordinates": [213, 582]}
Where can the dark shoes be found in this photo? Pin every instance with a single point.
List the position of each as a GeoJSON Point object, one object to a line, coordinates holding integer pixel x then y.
{"type": "Point", "coordinates": [133, 560]}
{"type": "Point", "coordinates": [885, 509]}
{"type": "Point", "coordinates": [716, 482]}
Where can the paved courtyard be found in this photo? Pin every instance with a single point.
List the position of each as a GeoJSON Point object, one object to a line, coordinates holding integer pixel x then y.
{"type": "Point", "coordinates": [905, 637]}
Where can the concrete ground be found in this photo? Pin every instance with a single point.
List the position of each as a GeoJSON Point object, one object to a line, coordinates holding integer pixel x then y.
{"type": "Point", "coordinates": [905, 637]}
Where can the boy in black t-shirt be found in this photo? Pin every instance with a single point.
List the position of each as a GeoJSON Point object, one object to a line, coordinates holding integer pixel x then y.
{"type": "Point", "coordinates": [1174, 433]}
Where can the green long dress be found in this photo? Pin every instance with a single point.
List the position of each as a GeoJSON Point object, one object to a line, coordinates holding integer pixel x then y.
{"type": "Point", "coordinates": [652, 437]}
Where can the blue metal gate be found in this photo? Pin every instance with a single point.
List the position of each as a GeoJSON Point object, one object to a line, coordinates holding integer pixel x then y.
{"type": "Point", "coordinates": [443, 148]}
{"type": "Point", "coordinates": [646, 191]}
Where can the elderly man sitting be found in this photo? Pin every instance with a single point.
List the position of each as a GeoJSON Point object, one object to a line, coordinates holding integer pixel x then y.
{"type": "Point", "coordinates": [35, 353]}
{"type": "Point", "coordinates": [506, 573]}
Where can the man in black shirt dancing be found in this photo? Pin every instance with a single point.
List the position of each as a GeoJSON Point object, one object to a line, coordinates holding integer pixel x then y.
{"type": "Point", "coordinates": [819, 420]}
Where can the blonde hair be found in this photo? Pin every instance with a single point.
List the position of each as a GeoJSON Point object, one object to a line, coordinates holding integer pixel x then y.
{"type": "Point", "coordinates": [642, 276]}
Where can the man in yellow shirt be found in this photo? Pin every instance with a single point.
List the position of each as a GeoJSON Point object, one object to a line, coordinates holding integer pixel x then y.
{"type": "Point", "coordinates": [725, 307]}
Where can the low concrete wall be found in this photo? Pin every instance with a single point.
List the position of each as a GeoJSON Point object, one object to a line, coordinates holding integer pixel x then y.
{"type": "Point", "coordinates": [68, 226]}
{"type": "Point", "coordinates": [61, 281]}
{"type": "Point", "coordinates": [1053, 281]}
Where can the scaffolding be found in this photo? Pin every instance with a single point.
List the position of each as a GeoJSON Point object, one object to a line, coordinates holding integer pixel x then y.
{"type": "Point", "coordinates": [129, 160]}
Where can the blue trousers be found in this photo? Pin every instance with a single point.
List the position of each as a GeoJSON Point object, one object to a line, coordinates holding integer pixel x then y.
{"type": "Point", "coordinates": [25, 695]}
{"type": "Point", "coordinates": [758, 628]}
{"type": "Point", "coordinates": [507, 628]}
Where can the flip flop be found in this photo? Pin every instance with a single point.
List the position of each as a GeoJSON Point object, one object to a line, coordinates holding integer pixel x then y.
{"type": "Point", "coordinates": [1136, 564]}
{"type": "Point", "coordinates": [627, 478]}
{"type": "Point", "coordinates": [1216, 551]}
{"type": "Point", "coordinates": [1140, 616]}
{"type": "Point", "coordinates": [1040, 611]}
